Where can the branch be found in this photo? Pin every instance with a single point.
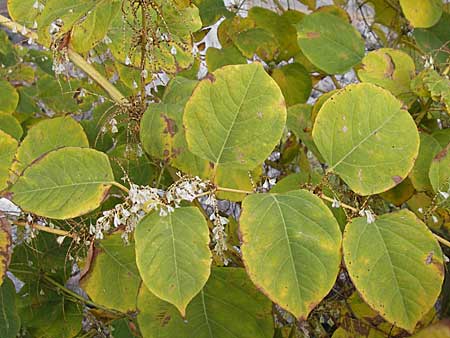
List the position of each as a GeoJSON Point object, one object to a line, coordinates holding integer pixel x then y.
{"type": "Point", "coordinates": [76, 58]}
{"type": "Point", "coordinates": [54, 231]}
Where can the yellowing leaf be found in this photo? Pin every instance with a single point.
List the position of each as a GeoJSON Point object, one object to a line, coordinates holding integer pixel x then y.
{"type": "Point", "coordinates": [8, 147]}
{"type": "Point", "coordinates": [113, 279]}
{"type": "Point", "coordinates": [5, 246]}
{"type": "Point", "coordinates": [235, 116]}
{"type": "Point", "coordinates": [366, 138]}
{"type": "Point", "coordinates": [291, 248]}
{"type": "Point", "coordinates": [65, 183]}
{"type": "Point", "coordinates": [173, 256]}
{"type": "Point", "coordinates": [49, 135]}
{"type": "Point", "coordinates": [396, 265]}
{"type": "Point", "coordinates": [423, 13]}
{"type": "Point", "coordinates": [9, 98]}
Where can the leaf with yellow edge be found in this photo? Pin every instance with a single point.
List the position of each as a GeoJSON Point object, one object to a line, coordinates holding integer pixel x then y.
{"type": "Point", "coordinates": [235, 116]}
{"type": "Point", "coordinates": [8, 147]}
{"type": "Point", "coordinates": [366, 138]}
{"type": "Point", "coordinates": [423, 13]}
{"type": "Point", "coordinates": [5, 246]}
{"type": "Point", "coordinates": [291, 248]}
{"type": "Point", "coordinates": [65, 183]}
{"type": "Point", "coordinates": [396, 265]}
{"type": "Point", "coordinates": [173, 256]}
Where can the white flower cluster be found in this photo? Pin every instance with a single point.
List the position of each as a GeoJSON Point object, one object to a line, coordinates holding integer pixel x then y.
{"type": "Point", "coordinates": [143, 199]}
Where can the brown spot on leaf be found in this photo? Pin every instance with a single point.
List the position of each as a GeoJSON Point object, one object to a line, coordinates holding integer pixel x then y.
{"type": "Point", "coordinates": [440, 155]}
{"type": "Point", "coordinates": [313, 35]}
{"type": "Point", "coordinates": [389, 71]}
{"type": "Point", "coordinates": [429, 258]}
{"type": "Point", "coordinates": [210, 77]}
{"type": "Point", "coordinates": [164, 318]}
{"type": "Point", "coordinates": [171, 126]}
{"type": "Point", "coordinates": [397, 179]}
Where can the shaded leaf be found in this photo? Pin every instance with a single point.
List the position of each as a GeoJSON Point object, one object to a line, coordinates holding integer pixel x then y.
{"type": "Point", "coordinates": [11, 126]}
{"type": "Point", "coordinates": [294, 82]}
{"type": "Point", "coordinates": [8, 147]}
{"type": "Point", "coordinates": [113, 279]}
{"type": "Point", "coordinates": [329, 42]}
{"type": "Point", "coordinates": [228, 306]}
{"type": "Point", "coordinates": [9, 98]}
{"type": "Point", "coordinates": [9, 320]}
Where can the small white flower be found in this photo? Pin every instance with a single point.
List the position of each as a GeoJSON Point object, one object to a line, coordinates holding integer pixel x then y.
{"type": "Point", "coordinates": [435, 219]}
{"type": "Point", "coordinates": [335, 204]}
{"type": "Point", "coordinates": [420, 210]}
{"type": "Point", "coordinates": [444, 194]}
{"type": "Point", "coordinates": [127, 60]}
{"type": "Point", "coordinates": [135, 85]}
{"type": "Point", "coordinates": [14, 29]}
{"type": "Point", "coordinates": [144, 73]}
{"type": "Point", "coordinates": [370, 216]}
{"type": "Point", "coordinates": [35, 25]}
{"type": "Point", "coordinates": [60, 239]}
{"type": "Point", "coordinates": [173, 50]}
{"type": "Point", "coordinates": [24, 31]}
{"type": "Point", "coordinates": [107, 40]}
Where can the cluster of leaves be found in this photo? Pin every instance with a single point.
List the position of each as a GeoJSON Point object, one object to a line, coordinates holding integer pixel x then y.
{"type": "Point", "coordinates": [199, 239]}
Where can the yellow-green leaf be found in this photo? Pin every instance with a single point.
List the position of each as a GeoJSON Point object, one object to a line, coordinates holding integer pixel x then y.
{"type": "Point", "coordinates": [229, 306]}
{"type": "Point", "coordinates": [294, 81]}
{"type": "Point", "coordinates": [329, 42]}
{"type": "Point", "coordinates": [429, 147]}
{"type": "Point", "coordinates": [439, 330]}
{"type": "Point", "coordinates": [10, 125]}
{"type": "Point", "coordinates": [396, 264]}
{"type": "Point", "coordinates": [9, 98]}
{"type": "Point", "coordinates": [113, 279]}
{"type": "Point", "coordinates": [173, 256]}
{"type": "Point", "coordinates": [366, 138]}
{"type": "Point", "coordinates": [391, 69]}
{"type": "Point", "coordinates": [49, 135]}
{"type": "Point", "coordinates": [440, 171]}
{"type": "Point", "coordinates": [235, 116]}
{"type": "Point", "coordinates": [291, 248]}
{"type": "Point", "coordinates": [65, 183]}
{"type": "Point", "coordinates": [8, 147]}
{"type": "Point", "coordinates": [423, 13]}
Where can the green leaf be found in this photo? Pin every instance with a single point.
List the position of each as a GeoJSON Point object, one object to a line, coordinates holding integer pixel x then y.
{"type": "Point", "coordinates": [366, 138]}
{"type": "Point", "coordinates": [211, 11]}
{"type": "Point", "coordinates": [86, 20]}
{"type": "Point", "coordinates": [11, 126]}
{"type": "Point", "coordinates": [173, 256]}
{"type": "Point", "coordinates": [429, 147]}
{"type": "Point", "coordinates": [433, 39]}
{"type": "Point", "coordinates": [49, 135]}
{"type": "Point", "coordinates": [113, 279]}
{"type": "Point", "coordinates": [329, 42]}
{"type": "Point", "coordinates": [9, 98]}
{"type": "Point", "coordinates": [296, 238]}
{"type": "Point", "coordinates": [65, 183]}
{"type": "Point", "coordinates": [396, 265]}
{"type": "Point", "coordinates": [232, 111]}
{"type": "Point", "coordinates": [8, 147]}
{"type": "Point", "coordinates": [22, 11]}
{"type": "Point", "coordinates": [424, 13]}
{"type": "Point", "coordinates": [440, 171]}
{"type": "Point", "coordinates": [9, 320]}
{"type": "Point", "coordinates": [228, 306]}
{"type": "Point", "coordinates": [257, 41]}
{"type": "Point", "coordinates": [216, 58]}
{"type": "Point", "coordinates": [390, 69]}
{"type": "Point", "coordinates": [294, 82]}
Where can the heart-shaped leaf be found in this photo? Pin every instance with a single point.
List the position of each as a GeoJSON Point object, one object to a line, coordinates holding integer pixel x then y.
{"type": "Point", "coordinates": [395, 264]}
{"type": "Point", "coordinates": [291, 248]}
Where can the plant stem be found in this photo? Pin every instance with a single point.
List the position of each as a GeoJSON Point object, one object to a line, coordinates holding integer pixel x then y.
{"type": "Point", "coordinates": [58, 232]}
{"type": "Point", "coordinates": [442, 240]}
{"type": "Point", "coordinates": [120, 186]}
{"type": "Point", "coordinates": [346, 206]}
{"type": "Point", "coordinates": [235, 190]}
{"type": "Point", "coordinates": [80, 298]}
{"type": "Point", "coordinates": [335, 82]}
{"type": "Point", "coordinates": [279, 5]}
{"type": "Point", "coordinates": [76, 58]}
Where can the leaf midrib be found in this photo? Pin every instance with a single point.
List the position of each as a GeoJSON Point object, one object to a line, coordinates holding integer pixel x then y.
{"type": "Point", "coordinates": [227, 137]}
